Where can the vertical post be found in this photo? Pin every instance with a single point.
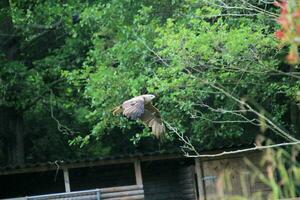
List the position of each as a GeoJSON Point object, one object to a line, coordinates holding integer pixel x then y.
{"type": "Point", "coordinates": [138, 172]}
{"type": "Point", "coordinates": [98, 194]}
{"type": "Point", "coordinates": [199, 174]}
{"type": "Point", "coordinates": [67, 180]}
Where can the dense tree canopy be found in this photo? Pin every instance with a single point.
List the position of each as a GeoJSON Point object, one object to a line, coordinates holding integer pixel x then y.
{"type": "Point", "coordinates": [215, 68]}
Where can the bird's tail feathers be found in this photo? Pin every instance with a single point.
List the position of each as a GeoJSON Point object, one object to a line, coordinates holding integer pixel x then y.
{"type": "Point", "coordinates": [158, 129]}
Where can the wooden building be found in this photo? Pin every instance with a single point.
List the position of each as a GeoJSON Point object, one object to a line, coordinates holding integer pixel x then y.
{"type": "Point", "coordinates": [152, 176]}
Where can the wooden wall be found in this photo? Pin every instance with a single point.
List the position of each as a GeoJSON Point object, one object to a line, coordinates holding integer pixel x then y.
{"type": "Point", "coordinates": [238, 173]}
{"type": "Point", "coordinates": [166, 180]}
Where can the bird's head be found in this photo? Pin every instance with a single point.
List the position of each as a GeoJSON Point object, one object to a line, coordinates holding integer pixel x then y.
{"type": "Point", "coordinates": [148, 97]}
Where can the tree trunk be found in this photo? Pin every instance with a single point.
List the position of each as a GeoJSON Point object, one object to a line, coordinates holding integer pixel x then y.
{"type": "Point", "coordinates": [12, 132]}
{"type": "Point", "coordinates": [5, 20]}
{"type": "Point", "coordinates": [18, 147]}
{"type": "Point", "coordinates": [11, 119]}
{"type": "Point", "coordinates": [7, 40]}
{"type": "Point", "coordinates": [295, 117]}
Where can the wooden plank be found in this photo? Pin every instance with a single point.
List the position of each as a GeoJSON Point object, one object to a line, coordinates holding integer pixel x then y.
{"type": "Point", "coordinates": [188, 191]}
{"type": "Point", "coordinates": [187, 182]}
{"type": "Point", "coordinates": [138, 172]}
{"type": "Point", "coordinates": [122, 194]}
{"type": "Point", "coordinates": [199, 174]}
{"type": "Point", "coordinates": [67, 180]}
{"type": "Point", "coordinates": [121, 188]}
{"type": "Point", "coordinates": [137, 197]}
{"type": "Point", "coordinates": [83, 197]}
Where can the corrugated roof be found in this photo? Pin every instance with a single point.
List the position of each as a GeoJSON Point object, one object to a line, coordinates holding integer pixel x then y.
{"type": "Point", "coordinates": [113, 158]}
{"type": "Point", "coordinates": [103, 160]}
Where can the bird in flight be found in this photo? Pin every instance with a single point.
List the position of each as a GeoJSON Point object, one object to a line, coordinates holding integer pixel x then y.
{"type": "Point", "coordinates": [141, 107]}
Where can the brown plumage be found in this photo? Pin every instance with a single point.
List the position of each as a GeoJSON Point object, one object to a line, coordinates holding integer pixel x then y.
{"type": "Point", "coordinates": [140, 107]}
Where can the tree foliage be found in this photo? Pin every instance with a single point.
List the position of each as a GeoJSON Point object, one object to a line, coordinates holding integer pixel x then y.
{"type": "Point", "coordinates": [74, 61]}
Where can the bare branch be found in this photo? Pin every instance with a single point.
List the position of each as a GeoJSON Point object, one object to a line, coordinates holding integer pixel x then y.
{"type": "Point", "coordinates": [228, 15]}
{"type": "Point", "coordinates": [223, 121]}
{"type": "Point", "coordinates": [250, 109]}
{"type": "Point", "coordinates": [60, 127]}
{"type": "Point", "coordinates": [187, 143]}
{"type": "Point", "coordinates": [237, 113]}
{"type": "Point", "coordinates": [151, 50]}
{"type": "Point", "coordinates": [41, 26]}
{"type": "Point", "coordinates": [244, 150]}
{"type": "Point", "coordinates": [244, 6]}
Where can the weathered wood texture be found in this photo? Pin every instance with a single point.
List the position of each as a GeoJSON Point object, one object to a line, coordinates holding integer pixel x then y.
{"type": "Point", "coordinates": [165, 180]}
{"type": "Point", "coordinates": [231, 176]}
{"type": "Point", "coordinates": [138, 172]}
{"type": "Point", "coordinates": [187, 183]}
{"type": "Point", "coordinates": [123, 193]}
{"type": "Point", "coordinates": [199, 176]}
{"type": "Point", "coordinates": [132, 192]}
{"type": "Point", "coordinates": [67, 180]}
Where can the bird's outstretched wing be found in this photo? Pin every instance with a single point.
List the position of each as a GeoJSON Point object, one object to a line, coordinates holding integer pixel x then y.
{"type": "Point", "coordinates": [151, 117]}
{"type": "Point", "coordinates": [136, 108]}
{"type": "Point", "coordinates": [132, 108]}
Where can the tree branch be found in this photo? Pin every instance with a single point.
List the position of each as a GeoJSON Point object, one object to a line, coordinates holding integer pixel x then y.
{"type": "Point", "coordinates": [187, 143]}
{"type": "Point", "coordinates": [36, 99]}
{"type": "Point", "coordinates": [250, 109]}
{"type": "Point", "coordinates": [244, 150]}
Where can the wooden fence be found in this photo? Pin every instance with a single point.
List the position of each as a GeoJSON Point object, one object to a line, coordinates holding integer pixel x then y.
{"type": "Point", "coordinates": [133, 192]}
